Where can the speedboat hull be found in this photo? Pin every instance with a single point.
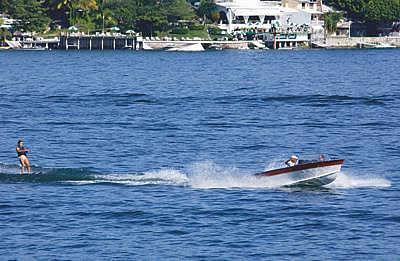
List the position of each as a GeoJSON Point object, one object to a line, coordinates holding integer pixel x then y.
{"type": "Point", "coordinates": [308, 174]}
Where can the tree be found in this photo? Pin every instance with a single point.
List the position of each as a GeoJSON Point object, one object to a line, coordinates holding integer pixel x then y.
{"type": "Point", "coordinates": [71, 7]}
{"type": "Point", "coordinates": [146, 15]}
{"type": "Point", "coordinates": [121, 12]}
{"type": "Point", "coordinates": [206, 9]}
{"type": "Point", "coordinates": [179, 10]}
{"type": "Point", "coordinates": [151, 19]}
{"type": "Point", "coordinates": [5, 6]}
{"type": "Point", "coordinates": [331, 21]}
{"type": "Point", "coordinates": [4, 35]}
{"type": "Point", "coordinates": [31, 15]}
{"type": "Point", "coordinates": [369, 10]}
{"type": "Point", "coordinates": [215, 17]}
{"type": "Point", "coordinates": [382, 11]}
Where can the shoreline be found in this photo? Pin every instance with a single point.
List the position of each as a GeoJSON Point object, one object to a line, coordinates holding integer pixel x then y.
{"type": "Point", "coordinates": [120, 42]}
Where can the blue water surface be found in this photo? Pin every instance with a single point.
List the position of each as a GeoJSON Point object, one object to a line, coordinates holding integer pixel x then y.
{"type": "Point", "coordinates": [150, 155]}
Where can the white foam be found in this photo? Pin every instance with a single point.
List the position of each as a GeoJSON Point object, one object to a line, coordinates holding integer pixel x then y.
{"type": "Point", "coordinates": [9, 169]}
{"type": "Point", "coordinates": [345, 180]}
{"type": "Point", "coordinates": [208, 175]}
{"type": "Point", "coordinates": [158, 177]}
{"type": "Point", "coordinates": [274, 164]}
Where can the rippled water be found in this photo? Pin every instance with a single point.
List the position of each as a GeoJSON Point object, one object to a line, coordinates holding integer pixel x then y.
{"type": "Point", "coordinates": [150, 155]}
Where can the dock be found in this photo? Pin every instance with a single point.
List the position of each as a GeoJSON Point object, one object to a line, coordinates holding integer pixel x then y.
{"type": "Point", "coordinates": [286, 40]}
{"type": "Point", "coordinates": [98, 42]}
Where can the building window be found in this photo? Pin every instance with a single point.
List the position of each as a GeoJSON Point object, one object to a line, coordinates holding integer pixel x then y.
{"type": "Point", "coordinates": [303, 5]}
{"type": "Point", "coordinates": [311, 6]}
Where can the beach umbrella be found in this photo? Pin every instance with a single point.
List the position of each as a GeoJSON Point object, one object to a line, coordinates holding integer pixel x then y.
{"type": "Point", "coordinates": [73, 28]}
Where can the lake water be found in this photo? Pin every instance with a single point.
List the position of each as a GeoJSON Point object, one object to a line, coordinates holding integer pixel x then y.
{"type": "Point", "coordinates": [150, 155]}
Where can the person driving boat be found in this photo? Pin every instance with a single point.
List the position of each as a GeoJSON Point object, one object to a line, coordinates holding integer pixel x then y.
{"type": "Point", "coordinates": [293, 161]}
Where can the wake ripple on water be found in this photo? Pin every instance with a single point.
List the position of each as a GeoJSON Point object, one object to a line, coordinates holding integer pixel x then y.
{"type": "Point", "coordinates": [200, 175]}
{"type": "Point", "coordinates": [346, 181]}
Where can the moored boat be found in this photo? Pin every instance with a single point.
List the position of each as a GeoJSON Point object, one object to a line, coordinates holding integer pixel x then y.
{"type": "Point", "coordinates": [318, 173]}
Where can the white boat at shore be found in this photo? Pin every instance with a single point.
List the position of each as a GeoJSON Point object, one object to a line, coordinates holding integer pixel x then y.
{"type": "Point", "coordinates": [18, 46]}
{"type": "Point", "coordinates": [192, 47]}
{"type": "Point", "coordinates": [318, 173]}
{"type": "Point", "coordinates": [379, 45]}
{"type": "Point", "coordinates": [173, 46]}
{"type": "Point", "coordinates": [34, 48]}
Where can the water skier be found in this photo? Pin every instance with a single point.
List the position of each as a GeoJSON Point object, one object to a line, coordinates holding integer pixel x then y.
{"type": "Point", "coordinates": [23, 159]}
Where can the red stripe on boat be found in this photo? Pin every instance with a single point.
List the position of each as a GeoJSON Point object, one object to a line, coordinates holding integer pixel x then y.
{"type": "Point", "coordinates": [305, 166]}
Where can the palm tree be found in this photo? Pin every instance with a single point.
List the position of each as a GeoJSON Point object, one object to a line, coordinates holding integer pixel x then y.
{"type": "Point", "coordinates": [331, 20]}
{"type": "Point", "coordinates": [88, 5]}
{"type": "Point", "coordinates": [72, 5]}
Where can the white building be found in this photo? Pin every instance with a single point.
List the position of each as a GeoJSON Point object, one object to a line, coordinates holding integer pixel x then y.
{"type": "Point", "coordinates": [263, 15]}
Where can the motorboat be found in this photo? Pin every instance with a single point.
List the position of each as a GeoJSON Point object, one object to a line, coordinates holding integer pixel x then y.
{"type": "Point", "coordinates": [19, 46]}
{"type": "Point", "coordinates": [317, 173]}
{"type": "Point", "coordinates": [33, 48]}
{"type": "Point", "coordinates": [376, 45]}
{"type": "Point", "coordinates": [191, 47]}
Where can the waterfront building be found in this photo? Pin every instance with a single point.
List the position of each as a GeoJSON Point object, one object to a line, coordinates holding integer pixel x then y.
{"type": "Point", "coordinates": [264, 15]}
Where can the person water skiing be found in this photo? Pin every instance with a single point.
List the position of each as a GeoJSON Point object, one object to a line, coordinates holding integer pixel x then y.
{"type": "Point", "coordinates": [23, 159]}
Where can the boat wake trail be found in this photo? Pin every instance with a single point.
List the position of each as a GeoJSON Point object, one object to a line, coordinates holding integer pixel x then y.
{"type": "Point", "coordinates": [199, 175]}
{"type": "Point", "coordinates": [160, 177]}
{"type": "Point", "coordinates": [346, 181]}
{"type": "Point", "coordinates": [206, 175]}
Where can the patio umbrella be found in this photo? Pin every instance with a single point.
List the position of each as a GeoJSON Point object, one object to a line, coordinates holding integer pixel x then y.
{"type": "Point", "coordinates": [73, 28]}
{"type": "Point", "coordinates": [114, 29]}
{"type": "Point", "coordinates": [130, 32]}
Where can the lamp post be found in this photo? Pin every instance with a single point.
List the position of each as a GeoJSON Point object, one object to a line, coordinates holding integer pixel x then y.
{"type": "Point", "coordinates": [102, 15]}
{"type": "Point", "coordinates": [349, 29]}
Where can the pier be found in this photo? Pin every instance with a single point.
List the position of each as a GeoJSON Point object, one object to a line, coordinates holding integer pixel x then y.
{"type": "Point", "coordinates": [286, 40]}
{"type": "Point", "coordinates": [98, 42]}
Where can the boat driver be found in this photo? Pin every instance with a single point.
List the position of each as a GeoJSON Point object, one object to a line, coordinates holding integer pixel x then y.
{"type": "Point", "coordinates": [293, 161]}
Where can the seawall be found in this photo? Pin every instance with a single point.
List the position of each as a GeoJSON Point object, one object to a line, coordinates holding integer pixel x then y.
{"type": "Point", "coordinates": [345, 42]}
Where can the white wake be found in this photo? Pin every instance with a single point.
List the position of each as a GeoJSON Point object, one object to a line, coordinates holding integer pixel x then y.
{"type": "Point", "coordinates": [347, 181]}
{"type": "Point", "coordinates": [209, 175]}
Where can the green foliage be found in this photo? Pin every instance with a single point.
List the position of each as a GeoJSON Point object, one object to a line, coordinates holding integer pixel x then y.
{"type": "Point", "coordinates": [85, 25]}
{"type": "Point", "coordinates": [180, 30]}
{"type": "Point", "coordinates": [382, 10]}
{"type": "Point", "coordinates": [147, 16]}
{"type": "Point", "coordinates": [191, 34]}
{"type": "Point", "coordinates": [374, 11]}
{"type": "Point", "coordinates": [31, 15]}
{"type": "Point", "coordinates": [331, 21]}
{"type": "Point", "coordinates": [179, 10]}
{"type": "Point", "coordinates": [214, 31]}
{"type": "Point", "coordinates": [197, 27]}
{"type": "Point", "coordinates": [207, 7]}
{"type": "Point", "coordinates": [122, 13]}
{"type": "Point", "coordinates": [4, 34]}
{"type": "Point", "coordinates": [5, 5]}
{"type": "Point", "coordinates": [215, 16]}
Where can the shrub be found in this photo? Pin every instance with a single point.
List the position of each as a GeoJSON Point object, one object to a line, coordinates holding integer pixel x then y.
{"type": "Point", "coordinates": [180, 30]}
{"type": "Point", "coordinates": [214, 30]}
{"type": "Point", "coordinates": [196, 27]}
